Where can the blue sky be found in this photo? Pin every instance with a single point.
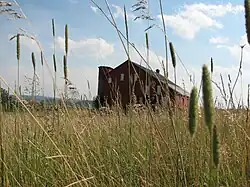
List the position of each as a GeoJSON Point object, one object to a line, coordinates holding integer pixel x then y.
{"type": "Point", "coordinates": [198, 29]}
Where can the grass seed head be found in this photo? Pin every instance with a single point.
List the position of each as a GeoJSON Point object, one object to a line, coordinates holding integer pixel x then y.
{"type": "Point", "coordinates": [54, 60]}
{"type": "Point", "coordinates": [147, 43]}
{"type": "Point", "coordinates": [193, 111]}
{"type": "Point", "coordinates": [172, 54]}
{"type": "Point", "coordinates": [65, 67]}
{"type": "Point", "coordinates": [216, 152]}
{"type": "Point", "coordinates": [247, 19]}
{"type": "Point", "coordinates": [207, 97]}
{"type": "Point", "coordinates": [33, 61]}
{"type": "Point", "coordinates": [42, 58]}
{"type": "Point", "coordinates": [212, 65]}
{"type": "Point", "coordinates": [66, 39]}
{"type": "Point", "coordinates": [53, 28]}
{"type": "Point", "coordinates": [18, 47]}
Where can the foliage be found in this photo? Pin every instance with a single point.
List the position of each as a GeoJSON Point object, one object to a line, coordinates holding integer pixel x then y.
{"type": "Point", "coordinates": [7, 101]}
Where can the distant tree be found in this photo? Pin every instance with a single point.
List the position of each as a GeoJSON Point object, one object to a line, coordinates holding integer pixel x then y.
{"type": "Point", "coordinates": [8, 102]}
{"type": "Point", "coordinates": [4, 97]}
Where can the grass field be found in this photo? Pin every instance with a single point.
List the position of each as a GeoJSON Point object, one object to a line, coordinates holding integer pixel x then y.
{"type": "Point", "coordinates": [88, 149]}
{"type": "Point", "coordinates": [197, 146]}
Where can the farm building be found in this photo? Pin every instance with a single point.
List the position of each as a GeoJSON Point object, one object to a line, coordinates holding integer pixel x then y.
{"type": "Point", "coordinates": [115, 86]}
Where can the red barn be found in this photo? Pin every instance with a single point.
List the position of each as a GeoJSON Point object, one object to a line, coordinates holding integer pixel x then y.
{"type": "Point", "coordinates": [115, 86]}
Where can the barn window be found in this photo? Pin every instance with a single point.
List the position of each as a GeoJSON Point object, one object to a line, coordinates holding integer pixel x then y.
{"type": "Point", "coordinates": [109, 80]}
{"type": "Point", "coordinates": [158, 89]}
{"type": "Point", "coordinates": [122, 77]}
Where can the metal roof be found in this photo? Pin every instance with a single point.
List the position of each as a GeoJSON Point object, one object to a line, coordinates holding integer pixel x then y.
{"type": "Point", "coordinates": [163, 79]}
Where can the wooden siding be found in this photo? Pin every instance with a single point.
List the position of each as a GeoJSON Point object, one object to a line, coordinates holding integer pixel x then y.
{"type": "Point", "coordinates": [118, 90]}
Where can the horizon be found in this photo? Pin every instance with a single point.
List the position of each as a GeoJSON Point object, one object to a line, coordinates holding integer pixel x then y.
{"type": "Point", "coordinates": [198, 31]}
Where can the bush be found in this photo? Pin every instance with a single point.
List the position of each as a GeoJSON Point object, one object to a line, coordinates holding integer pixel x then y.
{"type": "Point", "coordinates": [7, 101]}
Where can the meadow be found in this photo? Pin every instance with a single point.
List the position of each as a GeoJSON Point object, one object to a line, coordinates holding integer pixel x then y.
{"type": "Point", "coordinates": [86, 148]}
{"type": "Point", "coordinates": [71, 146]}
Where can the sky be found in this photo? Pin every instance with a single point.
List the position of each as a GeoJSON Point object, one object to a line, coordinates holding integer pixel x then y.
{"type": "Point", "coordinates": [198, 30]}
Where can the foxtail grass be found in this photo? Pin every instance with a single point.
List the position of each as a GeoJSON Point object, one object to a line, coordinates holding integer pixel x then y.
{"type": "Point", "coordinates": [212, 65]}
{"type": "Point", "coordinates": [33, 59]}
{"type": "Point", "coordinates": [207, 98]}
{"type": "Point", "coordinates": [208, 106]}
{"type": "Point", "coordinates": [172, 52]}
{"type": "Point", "coordinates": [18, 59]}
{"type": "Point", "coordinates": [193, 111]}
{"type": "Point", "coordinates": [65, 59]}
{"type": "Point", "coordinates": [66, 40]}
{"type": "Point", "coordinates": [54, 59]}
{"type": "Point", "coordinates": [43, 82]}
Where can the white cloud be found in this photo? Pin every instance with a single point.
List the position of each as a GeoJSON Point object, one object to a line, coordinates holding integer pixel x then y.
{"type": "Point", "coordinates": [94, 8]}
{"type": "Point", "coordinates": [233, 68]}
{"type": "Point", "coordinates": [188, 22]}
{"type": "Point", "coordinates": [78, 76]}
{"type": "Point", "coordinates": [236, 49]}
{"type": "Point", "coordinates": [216, 10]}
{"type": "Point", "coordinates": [218, 40]}
{"type": "Point", "coordinates": [90, 47]}
{"type": "Point", "coordinates": [120, 13]}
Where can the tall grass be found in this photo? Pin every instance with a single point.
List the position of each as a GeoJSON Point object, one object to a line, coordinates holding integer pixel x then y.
{"type": "Point", "coordinates": [54, 58]}
{"type": "Point", "coordinates": [95, 147]}
{"type": "Point", "coordinates": [92, 148]}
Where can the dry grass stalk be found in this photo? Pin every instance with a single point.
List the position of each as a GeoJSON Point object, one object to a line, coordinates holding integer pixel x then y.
{"type": "Point", "coordinates": [223, 89]}
{"type": "Point", "coordinates": [5, 3]}
{"type": "Point", "coordinates": [126, 29]}
{"type": "Point", "coordinates": [7, 8]}
{"type": "Point", "coordinates": [216, 152]}
{"type": "Point", "coordinates": [129, 64]}
{"type": "Point", "coordinates": [165, 38]}
{"type": "Point", "coordinates": [238, 74]}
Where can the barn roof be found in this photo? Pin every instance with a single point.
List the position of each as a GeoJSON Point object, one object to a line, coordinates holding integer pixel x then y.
{"type": "Point", "coordinates": [162, 79]}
